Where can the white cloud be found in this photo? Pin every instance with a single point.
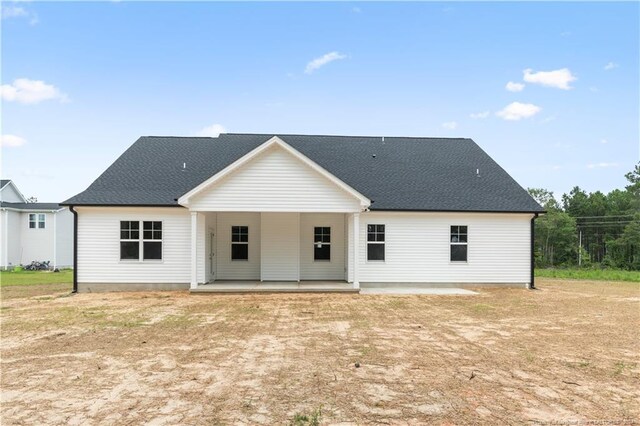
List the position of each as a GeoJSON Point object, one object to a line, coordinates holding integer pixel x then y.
{"type": "Point", "coordinates": [610, 66]}
{"type": "Point", "coordinates": [548, 119]}
{"type": "Point", "coordinates": [601, 165]}
{"type": "Point", "coordinates": [565, 33]}
{"type": "Point", "coordinates": [514, 87]}
{"type": "Point", "coordinates": [356, 10]}
{"type": "Point", "coordinates": [212, 131]}
{"type": "Point", "coordinates": [593, 89]}
{"type": "Point", "coordinates": [477, 115]}
{"type": "Point", "coordinates": [559, 79]}
{"type": "Point", "coordinates": [323, 60]}
{"type": "Point", "coordinates": [27, 91]}
{"type": "Point", "coordinates": [11, 141]}
{"type": "Point", "coordinates": [13, 11]}
{"type": "Point", "coordinates": [604, 141]}
{"type": "Point", "coordinates": [450, 125]}
{"type": "Point", "coordinates": [557, 167]}
{"type": "Point", "coordinates": [516, 111]}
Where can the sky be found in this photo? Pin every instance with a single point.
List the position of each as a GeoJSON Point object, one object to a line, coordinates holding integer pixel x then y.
{"type": "Point", "coordinates": [549, 90]}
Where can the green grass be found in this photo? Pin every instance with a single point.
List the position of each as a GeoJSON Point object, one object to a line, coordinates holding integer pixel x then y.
{"type": "Point", "coordinates": [25, 278]}
{"type": "Point", "coordinates": [590, 274]}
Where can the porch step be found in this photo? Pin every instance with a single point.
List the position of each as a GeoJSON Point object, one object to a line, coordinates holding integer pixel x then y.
{"type": "Point", "coordinates": [251, 287]}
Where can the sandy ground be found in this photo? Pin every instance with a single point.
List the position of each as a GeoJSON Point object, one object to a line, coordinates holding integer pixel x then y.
{"type": "Point", "coordinates": [567, 352]}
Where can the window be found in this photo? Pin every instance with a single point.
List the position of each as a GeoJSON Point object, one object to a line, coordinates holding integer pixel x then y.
{"type": "Point", "coordinates": [458, 243]}
{"type": "Point", "coordinates": [375, 242]}
{"type": "Point", "coordinates": [321, 243]}
{"type": "Point", "coordinates": [130, 240]}
{"type": "Point", "coordinates": [239, 243]}
{"type": "Point", "coordinates": [152, 240]}
{"type": "Point", "coordinates": [36, 220]}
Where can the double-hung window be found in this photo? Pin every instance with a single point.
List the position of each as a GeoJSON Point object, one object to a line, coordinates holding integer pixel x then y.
{"type": "Point", "coordinates": [375, 242]}
{"type": "Point", "coordinates": [321, 243]}
{"type": "Point", "coordinates": [36, 220]}
{"type": "Point", "coordinates": [131, 240]}
{"type": "Point", "coordinates": [239, 243]}
{"type": "Point", "coordinates": [458, 243]}
{"type": "Point", "coordinates": [152, 240]}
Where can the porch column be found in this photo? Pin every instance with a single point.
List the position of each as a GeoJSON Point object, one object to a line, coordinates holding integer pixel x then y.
{"type": "Point", "coordinates": [194, 249]}
{"type": "Point", "coordinates": [356, 249]}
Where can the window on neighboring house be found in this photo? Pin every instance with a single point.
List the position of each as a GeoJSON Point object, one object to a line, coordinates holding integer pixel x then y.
{"type": "Point", "coordinates": [321, 243]}
{"type": "Point", "coordinates": [152, 240]}
{"type": "Point", "coordinates": [36, 220]}
{"type": "Point", "coordinates": [375, 242]}
{"type": "Point", "coordinates": [239, 243]}
{"type": "Point", "coordinates": [458, 243]}
{"type": "Point", "coordinates": [129, 240]}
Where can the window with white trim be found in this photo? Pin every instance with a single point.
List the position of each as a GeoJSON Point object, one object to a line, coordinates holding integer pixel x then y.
{"type": "Point", "coordinates": [129, 240]}
{"type": "Point", "coordinates": [375, 242]}
{"type": "Point", "coordinates": [133, 244]}
{"type": "Point", "coordinates": [152, 240]}
{"type": "Point", "coordinates": [36, 220]}
{"type": "Point", "coordinates": [321, 243]}
{"type": "Point", "coordinates": [239, 243]}
{"type": "Point", "coordinates": [458, 243]}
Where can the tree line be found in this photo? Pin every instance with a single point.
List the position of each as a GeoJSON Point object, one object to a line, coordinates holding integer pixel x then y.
{"type": "Point", "coordinates": [590, 229]}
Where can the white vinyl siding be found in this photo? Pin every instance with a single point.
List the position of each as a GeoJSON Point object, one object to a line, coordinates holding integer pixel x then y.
{"type": "Point", "coordinates": [322, 270]}
{"type": "Point", "coordinates": [417, 248]}
{"type": "Point", "coordinates": [10, 195]}
{"type": "Point", "coordinates": [99, 246]}
{"type": "Point", "coordinates": [237, 270]}
{"type": "Point", "coordinates": [37, 243]}
{"type": "Point", "coordinates": [280, 242]}
{"type": "Point", "coordinates": [275, 181]}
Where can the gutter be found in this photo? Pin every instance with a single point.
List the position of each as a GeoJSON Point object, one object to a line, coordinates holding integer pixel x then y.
{"type": "Point", "coordinates": [532, 285]}
{"type": "Point", "coordinates": [75, 249]}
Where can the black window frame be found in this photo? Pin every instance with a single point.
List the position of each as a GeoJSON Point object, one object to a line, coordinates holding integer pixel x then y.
{"type": "Point", "coordinates": [129, 240]}
{"type": "Point", "coordinates": [459, 243]}
{"type": "Point", "coordinates": [152, 236]}
{"type": "Point", "coordinates": [239, 243]}
{"type": "Point", "coordinates": [376, 238]}
{"type": "Point", "coordinates": [321, 243]}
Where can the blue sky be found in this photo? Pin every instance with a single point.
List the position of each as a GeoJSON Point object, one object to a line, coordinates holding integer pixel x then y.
{"type": "Point", "coordinates": [82, 81]}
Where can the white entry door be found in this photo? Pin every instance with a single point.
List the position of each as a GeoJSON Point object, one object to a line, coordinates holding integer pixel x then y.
{"type": "Point", "coordinates": [280, 247]}
{"type": "Point", "coordinates": [212, 255]}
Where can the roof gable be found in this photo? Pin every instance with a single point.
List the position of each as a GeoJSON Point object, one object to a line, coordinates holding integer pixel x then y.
{"type": "Point", "coordinates": [9, 192]}
{"type": "Point", "coordinates": [274, 177]}
{"type": "Point", "coordinates": [417, 174]}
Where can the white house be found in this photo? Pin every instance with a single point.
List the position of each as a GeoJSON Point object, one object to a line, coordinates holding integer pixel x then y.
{"type": "Point", "coordinates": [33, 231]}
{"type": "Point", "coordinates": [302, 212]}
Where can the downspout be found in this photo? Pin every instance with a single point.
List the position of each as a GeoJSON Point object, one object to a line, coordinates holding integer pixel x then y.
{"type": "Point", "coordinates": [532, 285]}
{"type": "Point", "coordinates": [75, 249]}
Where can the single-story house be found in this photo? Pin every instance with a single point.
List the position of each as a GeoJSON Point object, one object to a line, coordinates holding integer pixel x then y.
{"type": "Point", "coordinates": [33, 231]}
{"type": "Point", "coordinates": [196, 212]}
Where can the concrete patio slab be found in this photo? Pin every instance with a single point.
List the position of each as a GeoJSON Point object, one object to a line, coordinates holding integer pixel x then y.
{"type": "Point", "coordinates": [418, 290]}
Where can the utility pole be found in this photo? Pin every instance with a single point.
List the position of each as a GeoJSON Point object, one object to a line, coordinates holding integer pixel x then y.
{"type": "Point", "coordinates": [580, 247]}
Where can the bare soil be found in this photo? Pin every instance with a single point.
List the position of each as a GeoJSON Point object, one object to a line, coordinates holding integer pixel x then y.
{"type": "Point", "coordinates": [568, 352]}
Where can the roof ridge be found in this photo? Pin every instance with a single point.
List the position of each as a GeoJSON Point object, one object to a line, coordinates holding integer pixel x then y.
{"type": "Point", "coordinates": [343, 136]}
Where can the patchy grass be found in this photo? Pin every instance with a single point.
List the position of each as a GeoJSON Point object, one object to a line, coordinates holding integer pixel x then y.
{"type": "Point", "coordinates": [567, 352]}
{"type": "Point", "coordinates": [589, 274]}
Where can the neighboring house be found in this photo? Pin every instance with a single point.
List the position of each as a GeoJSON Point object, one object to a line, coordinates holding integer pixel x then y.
{"type": "Point", "coordinates": [33, 231]}
{"type": "Point", "coordinates": [179, 212]}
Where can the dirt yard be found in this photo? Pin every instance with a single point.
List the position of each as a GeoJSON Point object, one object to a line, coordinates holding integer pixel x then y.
{"type": "Point", "coordinates": [568, 352]}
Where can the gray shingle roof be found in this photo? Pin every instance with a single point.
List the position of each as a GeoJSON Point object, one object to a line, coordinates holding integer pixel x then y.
{"type": "Point", "coordinates": [422, 174]}
{"type": "Point", "coordinates": [30, 206]}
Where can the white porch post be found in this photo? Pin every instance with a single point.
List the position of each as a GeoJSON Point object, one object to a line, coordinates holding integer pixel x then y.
{"type": "Point", "coordinates": [356, 249]}
{"type": "Point", "coordinates": [194, 249]}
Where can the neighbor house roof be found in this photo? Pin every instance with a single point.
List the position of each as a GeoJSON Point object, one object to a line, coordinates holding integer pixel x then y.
{"type": "Point", "coordinates": [396, 173]}
{"type": "Point", "coordinates": [30, 206]}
